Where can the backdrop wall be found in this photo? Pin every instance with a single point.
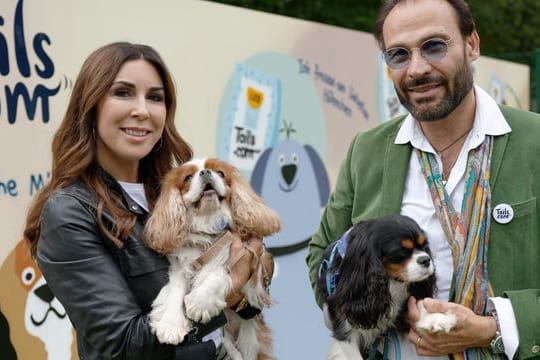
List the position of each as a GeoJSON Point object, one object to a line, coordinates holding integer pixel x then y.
{"type": "Point", "coordinates": [262, 91]}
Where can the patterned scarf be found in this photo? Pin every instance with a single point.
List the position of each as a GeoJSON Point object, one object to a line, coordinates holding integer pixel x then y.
{"type": "Point", "coordinates": [467, 232]}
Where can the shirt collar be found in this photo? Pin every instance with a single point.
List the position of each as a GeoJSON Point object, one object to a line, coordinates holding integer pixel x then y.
{"type": "Point", "coordinates": [488, 120]}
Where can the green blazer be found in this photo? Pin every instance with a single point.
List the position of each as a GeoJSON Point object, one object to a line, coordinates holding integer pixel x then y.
{"type": "Point", "coordinates": [371, 184]}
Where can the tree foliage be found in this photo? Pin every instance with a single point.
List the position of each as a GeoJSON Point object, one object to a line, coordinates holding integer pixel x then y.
{"type": "Point", "coordinates": [508, 28]}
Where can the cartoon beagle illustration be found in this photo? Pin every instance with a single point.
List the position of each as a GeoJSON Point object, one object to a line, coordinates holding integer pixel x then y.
{"type": "Point", "coordinates": [34, 310]}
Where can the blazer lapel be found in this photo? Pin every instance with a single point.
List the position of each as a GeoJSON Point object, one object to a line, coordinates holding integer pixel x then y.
{"type": "Point", "coordinates": [499, 146]}
{"type": "Point", "coordinates": [396, 165]}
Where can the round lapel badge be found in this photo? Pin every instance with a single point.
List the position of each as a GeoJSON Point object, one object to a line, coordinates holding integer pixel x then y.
{"type": "Point", "coordinates": [503, 213]}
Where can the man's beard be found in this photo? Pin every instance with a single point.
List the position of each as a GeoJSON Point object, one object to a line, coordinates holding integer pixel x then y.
{"type": "Point", "coordinates": [463, 83]}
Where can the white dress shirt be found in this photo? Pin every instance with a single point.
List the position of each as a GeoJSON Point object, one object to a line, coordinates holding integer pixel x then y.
{"type": "Point", "coordinates": [418, 204]}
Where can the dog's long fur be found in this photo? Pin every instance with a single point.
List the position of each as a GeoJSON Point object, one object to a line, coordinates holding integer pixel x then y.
{"type": "Point", "coordinates": [199, 201]}
{"type": "Point", "coordinates": [386, 261]}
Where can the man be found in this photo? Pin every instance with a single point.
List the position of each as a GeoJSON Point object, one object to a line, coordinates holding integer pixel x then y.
{"type": "Point", "coordinates": [411, 163]}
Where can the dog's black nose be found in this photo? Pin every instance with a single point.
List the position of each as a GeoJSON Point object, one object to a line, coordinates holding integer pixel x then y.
{"type": "Point", "coordinates": [45, 293]}
{"type": "Point", "coordinates": [204, 173]}
{"type": "Point", "coordinates": [424, 260]}
{"type": "Point", "coordinates": [288, 173]}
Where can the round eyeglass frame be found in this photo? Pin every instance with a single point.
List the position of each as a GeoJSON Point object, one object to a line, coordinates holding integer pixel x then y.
{"type": "Point", "coordinates": [424, 52]}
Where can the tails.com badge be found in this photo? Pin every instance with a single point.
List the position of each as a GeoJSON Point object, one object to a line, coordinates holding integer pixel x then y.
{"type": "Point", "coordinates": [503, 213]}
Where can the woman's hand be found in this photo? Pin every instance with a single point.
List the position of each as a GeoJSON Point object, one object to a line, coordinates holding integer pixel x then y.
{"type": "Point", "coordinates": [242, 269]}
{"type": "Point", "coordinates": [471, 330]}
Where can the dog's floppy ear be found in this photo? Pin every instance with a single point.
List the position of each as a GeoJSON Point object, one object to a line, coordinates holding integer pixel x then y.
{"type": "Point", "coordinates": [250, 215]}
{"type": "Point", "coordinates": [362, 293]}
{"type": "Point", "coordinates": [166, 228]}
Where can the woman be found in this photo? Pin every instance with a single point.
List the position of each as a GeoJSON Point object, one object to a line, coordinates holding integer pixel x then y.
{"type": "Point", "coordinates": [114, 145]}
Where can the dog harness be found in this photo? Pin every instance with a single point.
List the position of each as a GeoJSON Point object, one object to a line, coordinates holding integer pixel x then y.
{"type": "Point", "coordinates": [390, 336]}
{"type": "Point", "coordinates": [332, 275]}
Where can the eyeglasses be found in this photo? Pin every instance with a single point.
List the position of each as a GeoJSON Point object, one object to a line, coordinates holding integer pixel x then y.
{"type": "Point", "coordinates": [431, 50]}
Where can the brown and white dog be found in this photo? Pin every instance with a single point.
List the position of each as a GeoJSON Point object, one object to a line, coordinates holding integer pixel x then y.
{"type": "Point", "coordinates": [199, 202]}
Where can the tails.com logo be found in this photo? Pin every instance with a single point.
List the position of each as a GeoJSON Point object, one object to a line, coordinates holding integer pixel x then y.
{"type": "Point", "coordinates": [24, 56]}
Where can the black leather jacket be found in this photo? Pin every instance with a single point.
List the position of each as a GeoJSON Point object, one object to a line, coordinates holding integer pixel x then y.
{"type": "Point", "coordinates": [107, 292]}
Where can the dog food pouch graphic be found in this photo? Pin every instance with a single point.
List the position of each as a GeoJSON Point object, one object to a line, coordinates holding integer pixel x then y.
{"type": "Point", "coordinates": [252, 120]}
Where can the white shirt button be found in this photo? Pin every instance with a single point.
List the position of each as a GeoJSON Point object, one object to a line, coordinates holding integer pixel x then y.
{"type": "Point", "coordinates": [535, 349]}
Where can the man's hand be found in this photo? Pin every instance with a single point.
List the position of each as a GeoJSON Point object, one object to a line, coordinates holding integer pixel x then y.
{"type": "Point", "coordinates": [242, 269]}
{"type": "Point", "coordinates": [471, 330]}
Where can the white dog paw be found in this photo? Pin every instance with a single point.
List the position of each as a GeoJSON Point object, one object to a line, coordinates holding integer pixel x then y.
{"type": "Point", "coordinates": [435, 322]}
{"type": "Point", "coordinates": [169, 333]}
{"type": "Point", "coordinates": [169, 329]}
{"type": "Point", "coordinates": [203, 308]}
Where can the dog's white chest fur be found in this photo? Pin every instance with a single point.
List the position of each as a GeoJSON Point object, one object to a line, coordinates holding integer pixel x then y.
{"type": "Point", "coordinates": [202, 293]}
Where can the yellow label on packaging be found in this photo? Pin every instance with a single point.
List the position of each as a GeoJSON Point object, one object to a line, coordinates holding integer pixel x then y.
{"type": "Point", "coordinates": [255, 97]}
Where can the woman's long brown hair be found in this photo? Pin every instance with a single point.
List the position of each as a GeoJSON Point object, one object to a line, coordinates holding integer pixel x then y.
{"type": "Point", "coordinates": [74, 145]}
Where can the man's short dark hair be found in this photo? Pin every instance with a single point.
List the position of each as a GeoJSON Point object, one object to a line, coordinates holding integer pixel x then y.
{"type": "Point", "coordinates": [461, 8]}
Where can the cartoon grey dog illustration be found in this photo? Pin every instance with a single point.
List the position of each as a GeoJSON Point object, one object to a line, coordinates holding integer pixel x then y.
{"type": "Point", "coordinates": [292, 180]}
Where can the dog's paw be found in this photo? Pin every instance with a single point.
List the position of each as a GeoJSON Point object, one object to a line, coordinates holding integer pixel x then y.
{"type": "Point", "coordinates": [169, 329]}
{"type": "Point", "coordinates": [169, 332]}
{"type": "Point", "coordinates": [435, 322]}
{"type": "Point", "coordinates": [230, 348]}
{"type": "Point", "coordinates": [201, 308]}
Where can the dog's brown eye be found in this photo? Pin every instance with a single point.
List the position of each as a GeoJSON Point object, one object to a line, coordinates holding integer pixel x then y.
{"type": "Point", "coordinates": [221, 173]}
{"type": "Point", "coordinates": [188, 178]}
